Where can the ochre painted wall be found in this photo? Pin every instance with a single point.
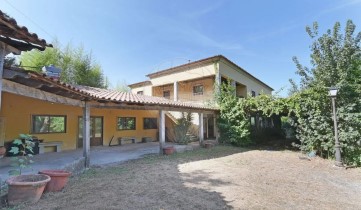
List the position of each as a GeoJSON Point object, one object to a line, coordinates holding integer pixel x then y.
{"type": "Point", "coordinates": [147, 90]}
{"type": "Point", "coordinates": [17, 111]}
{"type": "Point", "coordinates": [189, 74]}
{"type": "Point", "coordinates": [185, 90]}
{"type": "Point", "coordinates": [229, 71]}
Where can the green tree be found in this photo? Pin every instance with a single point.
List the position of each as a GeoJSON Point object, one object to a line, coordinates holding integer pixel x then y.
{"type": "Point", "coordinates": [122, 86]}
{"type": "Point", "coordinates": [78, 67]}
{"type": "Point", "coordinates": [233, 121]}
{"type": "Point", "coordinates": [335, 60]}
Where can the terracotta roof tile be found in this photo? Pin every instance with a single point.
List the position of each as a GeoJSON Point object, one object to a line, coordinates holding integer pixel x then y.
{"type": "Point", "coordinates": [99, 94]}
{"type": "Point", "coordinates": [117, 96]}
{"type": "Point", "coordinates": [19, 36]}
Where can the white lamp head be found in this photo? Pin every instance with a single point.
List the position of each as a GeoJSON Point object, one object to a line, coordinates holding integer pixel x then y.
{"type": "Point", "coordinates": [333, 91]}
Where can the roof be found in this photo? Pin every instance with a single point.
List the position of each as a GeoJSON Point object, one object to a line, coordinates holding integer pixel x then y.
{"type": "Point", "coordinates": [127, 97]}
{"type": "Point", "coordinates": [19, 37]}
{"type": "Point", "coordinates": [44, 83]}
{"type": "Point", "coordinates": [140, 84]}
{"type": "Point", "coordinates": [201, 62]}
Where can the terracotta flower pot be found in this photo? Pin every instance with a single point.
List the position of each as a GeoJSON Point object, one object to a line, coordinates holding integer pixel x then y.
{"type": "Point", "coordinates": [168, 150]}
{"type": "Point", "coordinates": [208, 145]}
{"type": "Point", "coordinates": [26, 188]}
{"type": "Point", "coordinates": [2, 151]}
{"type": "Point", "coordinates": [59, 178]}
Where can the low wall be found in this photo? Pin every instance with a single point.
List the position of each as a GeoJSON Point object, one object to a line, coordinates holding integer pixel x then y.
{"type": "Point", "coordinates": [76, 167]}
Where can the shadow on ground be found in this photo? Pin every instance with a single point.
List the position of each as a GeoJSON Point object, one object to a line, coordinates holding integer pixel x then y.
{"type": "Point", "coordinates": [153, 182]}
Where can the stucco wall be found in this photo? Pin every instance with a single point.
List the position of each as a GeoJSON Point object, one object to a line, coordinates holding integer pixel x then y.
{"type": "Point", "coordinates": [230, 71]}
{"type": "Point", "coordinates": [185, 90]}
{"type": "Point", "coordinates": [147, 90]}
{"type": "Point", "coordinates": [17, 112]}
{"type": "Point", "coordinates": [188, 74]}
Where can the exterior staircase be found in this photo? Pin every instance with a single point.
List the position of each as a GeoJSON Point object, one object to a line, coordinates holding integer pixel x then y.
{"type": "Point", "coordinates": [171, 117]}
{"type": "Point", "coordinates": [192, 137]}
{"type": "Point", "coordinates": [192, 134]}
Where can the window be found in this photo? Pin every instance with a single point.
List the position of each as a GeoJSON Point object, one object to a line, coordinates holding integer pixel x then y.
{"type": "Point", "coordinates": [126, 123]}
{"type": "Point", "coordinates": [48, 124]}
{"type": "Point", "coordinates": [150, 123]}
{"type": "Point", "coordinates": [253, 93]}
{"type": "Point", "coordinates": [140, 93]}
{"type": "Point", "coordinates": [198, 90]}
{"type": "Point", "coordinates": [166, 94]}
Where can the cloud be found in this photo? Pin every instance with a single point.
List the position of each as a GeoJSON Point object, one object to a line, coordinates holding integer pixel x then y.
{"type": "Point", "coordinates": [203, 11]}
{"type": "Point", "coordinates": [197, 37]}
{"type": "Point", "coordinates": [281, 30]}
{"type": "Point", "coordinates": [338, 7]}
{"type": "Point", "coordinates": [176, 29]}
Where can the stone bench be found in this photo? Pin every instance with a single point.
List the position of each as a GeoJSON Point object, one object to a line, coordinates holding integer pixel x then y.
{"type": "Point", "coordinates": [147, 139]}
{"type": "Point", "coordinates": [122, 140]}
{"type": "Point", "coordinates": [56, 144]}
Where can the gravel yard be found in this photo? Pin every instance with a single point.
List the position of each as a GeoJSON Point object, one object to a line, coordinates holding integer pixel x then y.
{"type": "Point", "coordinates": [219, 178]}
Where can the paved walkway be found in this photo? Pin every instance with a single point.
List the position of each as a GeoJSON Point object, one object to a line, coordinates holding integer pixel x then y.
{"type": "Point", "coordinates": [98, 156]}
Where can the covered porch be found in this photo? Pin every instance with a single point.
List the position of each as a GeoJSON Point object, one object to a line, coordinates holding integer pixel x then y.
{"type": "Point", "coordinates": [83, 102]}
{"type": "Point", "coordinates": [100, 156]}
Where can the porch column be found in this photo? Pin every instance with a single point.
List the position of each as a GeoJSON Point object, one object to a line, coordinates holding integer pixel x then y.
{"type": "Point", "coordinates": [216, 134]}
{"type": "Point", "coordinates": [86, 134]}
{"type": "Point", "coordinates": [233, 83]}
{"type": "Point", "coordinates": [161, 131]}
{"type": "Point", "coordinates": [201, 131]}
{"type": "Point", "coordinates": [175, 91]}
{"type": "Point", "coordinates": [218, 80]}
{"type": "Point", "coordinates": [2, 57]}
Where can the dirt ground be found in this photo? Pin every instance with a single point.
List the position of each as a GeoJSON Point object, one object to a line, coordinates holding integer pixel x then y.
{"type": "Point", "coordinates": [218, 178]}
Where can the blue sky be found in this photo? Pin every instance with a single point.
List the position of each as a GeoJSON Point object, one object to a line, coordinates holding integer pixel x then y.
{"type": "Point", "coordinates": [133, 38]}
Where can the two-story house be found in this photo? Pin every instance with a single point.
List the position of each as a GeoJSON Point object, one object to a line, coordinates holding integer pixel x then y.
{"type": "Point", "coordinates": [197, 81]}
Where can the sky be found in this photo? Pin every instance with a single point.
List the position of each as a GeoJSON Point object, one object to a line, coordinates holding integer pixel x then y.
{"type": "Point", "coordinates": [132, 38]}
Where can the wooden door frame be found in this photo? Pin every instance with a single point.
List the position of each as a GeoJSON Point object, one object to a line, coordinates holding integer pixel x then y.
{"type": "Point", "coordinates": [95, 116]}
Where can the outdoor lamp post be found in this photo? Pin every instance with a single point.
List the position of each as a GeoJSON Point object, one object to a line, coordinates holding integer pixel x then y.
{"type": "Point", "coordinates": [333, 94]}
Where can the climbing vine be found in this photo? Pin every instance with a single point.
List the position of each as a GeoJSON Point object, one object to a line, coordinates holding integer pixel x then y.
{"type": "Point", "coordinates": [336, 61]}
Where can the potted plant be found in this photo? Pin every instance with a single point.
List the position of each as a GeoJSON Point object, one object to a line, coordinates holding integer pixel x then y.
{"type": "Point", "coordinates": [59, 178]}
{"type": "Point", "coordinates": [22, 188]}
{"type": "Point", "coordinates": [168, 150]}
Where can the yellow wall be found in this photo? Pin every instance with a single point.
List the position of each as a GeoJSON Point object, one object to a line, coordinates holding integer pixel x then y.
{"type": "Point", "coordinates": [185, 90]}
{"type": "Point", "coordinates": [230, 71]}
{"type": "Point", "coordinates": [158, 91]}
{"type": "Point", "coordinates": [147, 90]}
{"type": "Point", "coordinates": [17, 112]}
{"type": "Point", "coordinates": [189, 74]}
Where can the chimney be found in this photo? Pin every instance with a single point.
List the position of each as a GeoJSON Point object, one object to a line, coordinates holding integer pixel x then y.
{"type": "Point", "coordinates": [52, 72]}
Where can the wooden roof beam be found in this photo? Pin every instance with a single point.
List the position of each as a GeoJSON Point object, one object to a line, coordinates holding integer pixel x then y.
{"type": "Point", "coordinates": [23, 90]}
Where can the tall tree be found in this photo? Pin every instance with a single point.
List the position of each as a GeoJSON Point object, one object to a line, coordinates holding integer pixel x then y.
{"type": "Point", "coordinates": [78, 67]}
{"type": "Point", "coordinates": [336, 61]}
{"type": "Point", "coordinates": [122, 86]}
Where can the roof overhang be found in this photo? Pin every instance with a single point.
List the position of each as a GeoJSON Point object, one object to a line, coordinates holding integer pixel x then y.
{"type": "Point", "coordinates": [140, 84]}
{"type": "Point", "coordinates": [200, 63]}
{"type": "Point", "coordinates": [184, 67]}
{"type": "Point", "coordinates": [104, 99]}
{"type": "Point", "coordinates": [18, 36]}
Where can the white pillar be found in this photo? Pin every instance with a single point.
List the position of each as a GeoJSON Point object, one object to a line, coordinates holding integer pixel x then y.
{"type": "Point", "coordinates": [218, 80]}
{"type": "Point", "coordinates": [2, 56]}
{"type": "Point", "coordinates": [175, 91]}
{"type": "Point", "coordinates": [201, 131]}
{"type": "Point", "coordinates": [216, 134]}
{"type": "Point", "coordinates": [86, 134]}
{"type": "Point", "coordinates": [233, 83]}
{"type": "Point", "coordinates": [161, 131]}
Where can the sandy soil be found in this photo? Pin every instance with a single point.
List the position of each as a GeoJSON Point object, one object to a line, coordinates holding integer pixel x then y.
{"type": "Point", "coordinates": [217, 178]}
